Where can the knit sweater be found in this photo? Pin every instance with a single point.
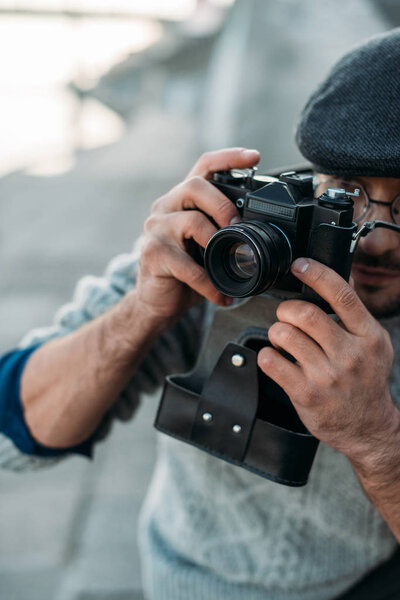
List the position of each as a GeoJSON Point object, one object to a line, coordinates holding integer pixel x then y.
{"type": "Point", "coordinates": [211, 530]}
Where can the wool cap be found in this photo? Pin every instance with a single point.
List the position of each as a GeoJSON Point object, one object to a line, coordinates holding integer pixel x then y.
{"type": "Point", "coordinates": [351, 124]}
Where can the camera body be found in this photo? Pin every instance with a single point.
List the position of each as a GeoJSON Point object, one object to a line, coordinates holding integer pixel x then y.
{"type": "Point", "coordinates": [281, 221]}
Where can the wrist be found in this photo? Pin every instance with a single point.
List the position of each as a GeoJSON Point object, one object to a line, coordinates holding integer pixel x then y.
{"type": "Point", "coordinates": [131, 328]}
{"type": "Point", "coordinates": [379, 456]}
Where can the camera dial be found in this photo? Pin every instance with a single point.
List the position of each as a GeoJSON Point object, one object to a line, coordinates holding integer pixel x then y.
{"type": "Point", "coordinates": [337, 198]}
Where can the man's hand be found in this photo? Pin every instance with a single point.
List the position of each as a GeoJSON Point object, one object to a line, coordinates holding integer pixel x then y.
{"type": "Point", "coordinates": [69, 383]}
{"type": "Point", "coordinates": [339, 384]}
{"type": "Point", "coordinates": [169, 280]}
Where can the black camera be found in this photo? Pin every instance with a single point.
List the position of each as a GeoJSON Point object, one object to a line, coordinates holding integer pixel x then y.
{"type": "Point", "coordinates": [281, 220]}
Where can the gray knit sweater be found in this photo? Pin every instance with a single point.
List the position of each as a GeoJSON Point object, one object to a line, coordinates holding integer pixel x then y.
{"type": "Point", "coordinates": [211, 530]}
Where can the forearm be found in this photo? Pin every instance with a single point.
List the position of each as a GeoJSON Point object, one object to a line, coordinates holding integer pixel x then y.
{"type": "Point", "coordinates": [69, 383]}
{"type": "Point", "coordinates": [379, 474]}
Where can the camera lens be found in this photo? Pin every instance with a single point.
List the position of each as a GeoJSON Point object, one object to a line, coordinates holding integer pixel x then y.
{"type": "Point", "coordinates": [248, 258]}
{"type": "Point", "coordinates": [242, 260]}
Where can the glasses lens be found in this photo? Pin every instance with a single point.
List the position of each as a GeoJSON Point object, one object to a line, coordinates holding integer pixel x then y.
{"type": "Point", "coordinates": [242, 260]}
{"type": "Point", "coordinates": [396, 210]}
{"type": "Point", "coordinates": [353, 188]}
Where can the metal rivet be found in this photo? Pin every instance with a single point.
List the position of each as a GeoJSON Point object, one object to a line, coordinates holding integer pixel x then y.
{"type": "Point", "coordinates": [238, 360]}
{"type": "Point", "coordinates": [207, 417]}
{"type": "Point", "coordinates": [237, 429]}
{"type": "Point", "coordinates": [240, 202]}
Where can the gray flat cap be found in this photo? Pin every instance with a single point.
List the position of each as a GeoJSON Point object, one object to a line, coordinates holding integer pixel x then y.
{"type": "Point", "coordinates": [351, 124]}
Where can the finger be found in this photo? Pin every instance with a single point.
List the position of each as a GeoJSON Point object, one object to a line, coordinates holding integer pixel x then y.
{"type": "Point", "coordinates": [181, 226]}
{"type": "Point", "coordinates": [179, 265]}
{"type": "Point", "coordinates": [306, 351]}
{"type": "Point", "coordinates": [199, 194]}
{"type": "Point", "coordinates": [314, 322]}
{"type": "Point", "coordinates": [285, 373]}
{"type": "Point", "coordinates": [221, 160]}
{"type": "Point", "coordinates": [337, 292]}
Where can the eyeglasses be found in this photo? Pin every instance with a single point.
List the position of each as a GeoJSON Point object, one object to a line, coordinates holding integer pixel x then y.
{"type": "Point", "coordinates": [361, 199]}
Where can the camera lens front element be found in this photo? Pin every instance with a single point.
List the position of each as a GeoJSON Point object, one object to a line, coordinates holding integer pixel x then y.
{"type": "Point", "coordinates": [248, 258]}
{"type": "Point", "coordinates": [242, 260]}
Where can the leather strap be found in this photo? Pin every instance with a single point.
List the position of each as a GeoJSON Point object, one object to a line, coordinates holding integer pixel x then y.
{"type": "Point", "coordinates": [221, 408]}
{"type": "Point", "coordinates": [230, 396]}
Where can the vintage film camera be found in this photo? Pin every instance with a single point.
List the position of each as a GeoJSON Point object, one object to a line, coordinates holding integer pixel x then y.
{"type": "Point", "coordinates": [281, 220]}
{"type": "Point", "coordinates": [226, 405]}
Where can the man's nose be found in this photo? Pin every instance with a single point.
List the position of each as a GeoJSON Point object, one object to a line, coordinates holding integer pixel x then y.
{"type": "Point", "coordinates": [380, 240]}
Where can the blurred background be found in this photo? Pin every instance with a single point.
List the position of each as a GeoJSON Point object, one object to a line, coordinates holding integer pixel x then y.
{"type": "Point", "coordinates": [104, 105]}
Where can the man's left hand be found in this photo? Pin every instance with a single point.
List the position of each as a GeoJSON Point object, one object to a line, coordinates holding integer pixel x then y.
{"type": "Point", "coordinates": [339, 383]}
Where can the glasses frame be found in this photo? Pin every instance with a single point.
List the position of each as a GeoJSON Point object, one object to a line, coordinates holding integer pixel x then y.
{"type": "Point", "coordinates": [320, 179]}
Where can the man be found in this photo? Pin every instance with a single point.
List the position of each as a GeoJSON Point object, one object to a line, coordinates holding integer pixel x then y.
{"type": "Point", "coordinates": [211, 530]}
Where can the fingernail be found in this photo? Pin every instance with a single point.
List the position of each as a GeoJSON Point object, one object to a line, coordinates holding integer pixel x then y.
{"type": "Point", "coordinates": [250, 154]}
{"type": "Point", "coordinates": [234, 220]}
{"type": "Point", "coordinates": [300, 265]}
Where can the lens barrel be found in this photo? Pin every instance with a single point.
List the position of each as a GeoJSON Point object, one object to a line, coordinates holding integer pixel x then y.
{"type": "Point", "coordinates": [248, 258]}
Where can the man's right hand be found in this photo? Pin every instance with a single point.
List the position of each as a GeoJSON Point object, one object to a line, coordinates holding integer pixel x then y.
{"type": "Point", "coordinates": [69, 383]}
{"type": "Point", "coordinates": [169, 280]}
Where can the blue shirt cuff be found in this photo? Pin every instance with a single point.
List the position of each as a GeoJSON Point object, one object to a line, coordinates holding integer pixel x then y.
{"type": "Point", "coordinates": [12, 420]}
